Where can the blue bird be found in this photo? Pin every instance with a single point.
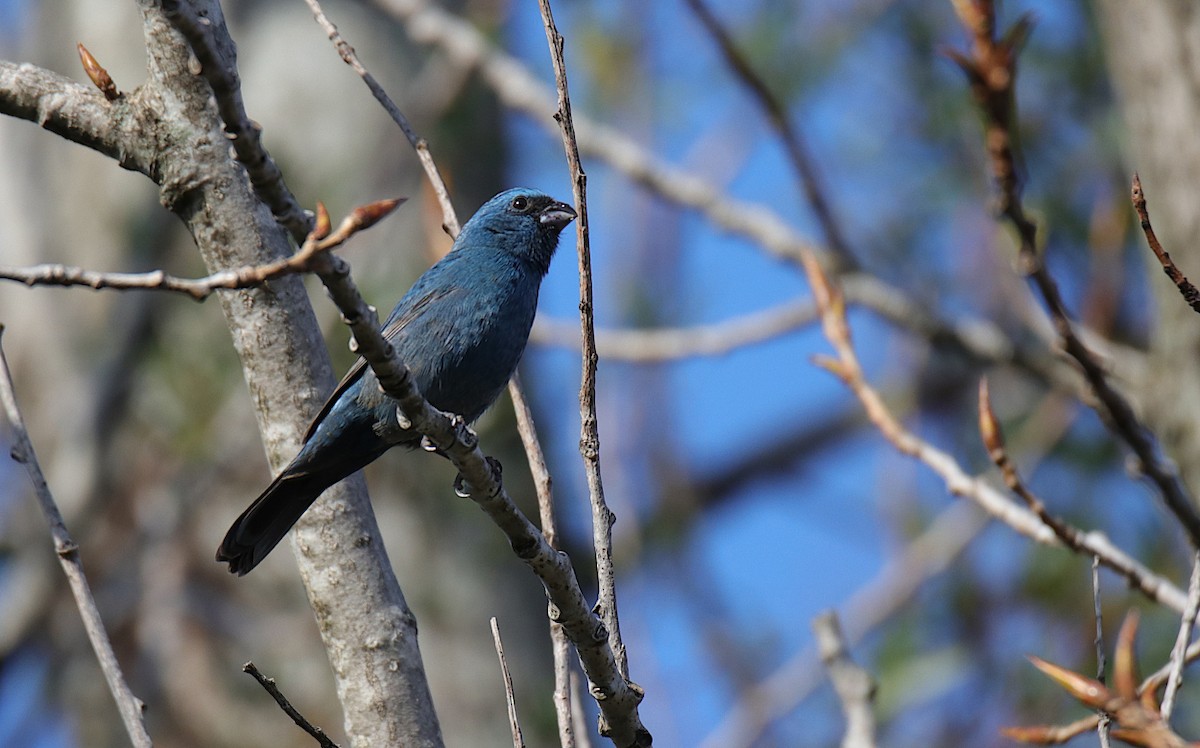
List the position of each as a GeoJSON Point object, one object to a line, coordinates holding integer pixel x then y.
{"type": "Point", "coordinates": [461, 330]}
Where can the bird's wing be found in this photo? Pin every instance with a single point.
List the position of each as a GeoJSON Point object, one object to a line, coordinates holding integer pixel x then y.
{"type": "Point", "coordinates": [395, 324]}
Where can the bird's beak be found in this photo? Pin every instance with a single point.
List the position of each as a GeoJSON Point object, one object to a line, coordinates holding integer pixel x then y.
{"type": "Point", "coordinates": [557, 215]}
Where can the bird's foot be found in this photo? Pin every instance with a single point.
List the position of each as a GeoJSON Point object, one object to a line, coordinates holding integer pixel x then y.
{"type": "Point", "coordinates": [463, 489]}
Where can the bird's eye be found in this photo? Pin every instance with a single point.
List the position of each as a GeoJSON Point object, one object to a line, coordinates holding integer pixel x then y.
{"type": "Point", "coordinates": [520, 203]}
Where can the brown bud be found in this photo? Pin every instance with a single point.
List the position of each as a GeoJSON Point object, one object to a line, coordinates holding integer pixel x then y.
{"type": "Point", "coordinates": [98, 75]}
{"type": "Point", "coordinates": [1138, 195]}
{"type": "Point", "coordinates": [1125, 678]}
{"type": "Point", "coordinates": [1036, 735]}
{"type": "Point", "coordinates": [323, 225]}
{"type": "Point", "coordinates": [989, 429]}
{"type": "Point", "coordinates": [833, 366]}
{"type": "Point", "coordinates": [1089, 692]}
{"type": "Point", "coordinates": [368, 215]}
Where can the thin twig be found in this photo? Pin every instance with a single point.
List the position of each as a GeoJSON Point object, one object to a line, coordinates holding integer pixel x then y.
{"type": "Point", "coordinates": [67, 551]}
{"type": "Point", "coordinates": [854, 686]}
{"type": "Point", "coordinates": [510, 698]}
{"type": "Point", "coordinates": [543, 486]}
{"type": "Point", "coordinates": [268, 684]}
{"type": "Point", "coordinates": [419, 144]}
{"type": "Point", "coordinates": [847, 368]}
{"type": "Point", "coordinates": [589, 434]}
{"type": "Point", "coordinates": [1187, 623]}
{"type": "Point", "coordinates": [156, 280]}
{"type": "Point", "coordinates": [1189, 292]}
{"type": "Point", "coordinates": [991, 71]}
{"type": "Point", "coordinates": [1104, 721]}
{"type": "Point", "coordinates": [219, 68]}
{"type": "Point", "coordinates": [993, 441]}
{"type": "Point", "coordinates": [793, 141]}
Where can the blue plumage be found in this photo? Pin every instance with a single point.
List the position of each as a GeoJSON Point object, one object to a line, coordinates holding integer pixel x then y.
{"type": "Point", "coordinates": [461, 330]}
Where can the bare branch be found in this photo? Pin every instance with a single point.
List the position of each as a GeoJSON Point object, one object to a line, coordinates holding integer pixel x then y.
{"type": "Point", "coordinates": [993, 441]}
{"type": "Point", "coordinates": [670, 344]}
{"type": "Point", "coordinates": [197, 288]}
{"type": "Point", "coordinates": [80, 115]}
{"type": "Point", "coordinates": [1178, 652]}
{"type": "Point", "coordinates": [1189, 292]}
{"type": "Point", "coordinates": [853, 684]}
{"type": "Point", "coordinates": [589, 432]}
{"type": "Point", "coordinates": [525, 425]}
{"type": "Point", "coordinates": [268, 684]}
{"type": "Point", "coordinates": [419, 144]}
{"type": "Point", "coordinates": [991, 72]}
{"type": "Point", "coordinates": [846, 367]}
{"type": "Point", "coordinates": [793, 141]}
{"type": "Point", "coordinates": [509, 698]}
{"type": "Point", "coordinates": [67, 551]}
{"type": "Point", "coordinates": [543, 485]}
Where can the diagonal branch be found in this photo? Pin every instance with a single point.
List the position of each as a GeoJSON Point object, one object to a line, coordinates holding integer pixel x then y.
{"type": "Point", "coordinates": [1186, 288]}
{"type": "Point", "coordinates": [67, 551]}
{"type": "Point", "coordinates": [525, 425]}
{"type": "Point", "coordinates": [419, 144]}
{"type": "Point", "coordinates": [845, 366]}
{"type": "Point", "coordinates": [991, 71]}
{"type": "Point", "coordinates": [793, 141]}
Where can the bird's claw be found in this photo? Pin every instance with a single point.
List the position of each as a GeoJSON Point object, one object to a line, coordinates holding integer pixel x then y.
{"type": "Point", "coordinates": [463, 489]}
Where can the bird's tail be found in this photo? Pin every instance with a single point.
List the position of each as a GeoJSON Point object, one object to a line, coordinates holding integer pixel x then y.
{"type": "Point", "coordinates": [268, 519]}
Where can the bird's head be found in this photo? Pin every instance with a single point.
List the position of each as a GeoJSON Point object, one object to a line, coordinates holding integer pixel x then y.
{"type": "Point", "coordinates": [521, 221]}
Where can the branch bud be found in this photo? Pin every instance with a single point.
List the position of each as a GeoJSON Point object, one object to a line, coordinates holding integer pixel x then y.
{"type": "Point", "coordinates": [323, 225]}
{"type": "Point", "coordinates": [366, 216]}
{"type": "Point", "coordinates": [96, 72]}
